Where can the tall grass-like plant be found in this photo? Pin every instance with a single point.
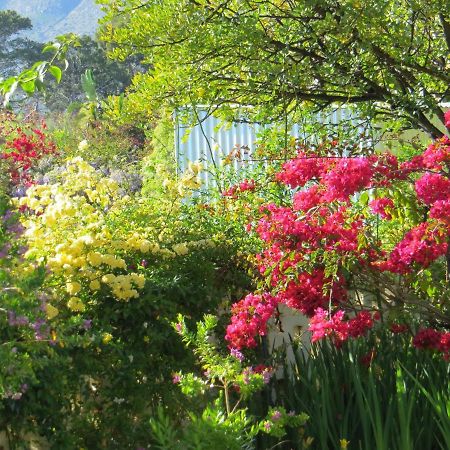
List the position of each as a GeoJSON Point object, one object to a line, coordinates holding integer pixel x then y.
{"type": "Point", "coordinates": [377, 393]}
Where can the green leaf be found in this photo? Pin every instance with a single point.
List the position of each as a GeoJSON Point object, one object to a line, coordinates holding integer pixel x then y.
{"type": "Point", "coordinates": [40, 86]}
{"type": "Point", "coordinates": [56, 72]}
{"type": "Point", "coordinates": [364, 198]}
{"type": "Point", "coordinates": [10, 92]}
{"type": "Point", "coordinates": [53, 47]}
{"type": "Point", "coordinates": [28, 86]}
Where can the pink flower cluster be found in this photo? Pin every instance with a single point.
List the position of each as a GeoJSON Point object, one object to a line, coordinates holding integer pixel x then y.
{"type": "Point", "coordinates": [441, 211]}
{"type": "Point", "coordinates": [435, 157]}
{"type": "Point", "coordinates": [323, 324]}
{"type": "Point", "coordinates": [346, 177]}
{"type": "Point", "coordinates": [432, 187]}
{"type": "Point", "coordinates": [298, 171]}
{"type": "Point", "coordinates": [249, 320]}
{"type": "Point", "coordinates": [382, 206]}
{"type": "Point", "coordinates": [420, 247]}
{"type": "Point", "coordinates": [428, 338]}
{"type": "Point", "coordinates": [337, 178]}
{"type": "Point", "coordinates": [246, 185]}
{"type": "Point", "coordinates": [307, 293]}
{"type": "Point", "coordinates": [326, 222]}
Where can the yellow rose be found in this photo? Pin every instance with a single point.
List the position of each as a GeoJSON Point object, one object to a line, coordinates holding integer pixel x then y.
{"type": "Point", "coordinates": [107, 337]}
{"type": "Point", "coordinates": [144, 246]}
{"type": "Point", "coordinates": [180, 249]}
{"type": "Point", "coordinates": [108, 278]}
{"type": "Point", "coordinates": [73, 287]}
{"type": "Point", "coordinates": [51, 311]}
{"type": "Point", "coordinates": [95, 258]}
{"type": "Point", "coordinates": [94, 285]}
{"type": "Point", "coordinates": [138, 280]}
{"type": "Point", "coordinates": [87, 239]}
{"type": "Point", "coordinates": [75, 304]}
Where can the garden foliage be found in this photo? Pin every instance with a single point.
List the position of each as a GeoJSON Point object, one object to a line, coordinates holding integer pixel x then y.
{"type": "Point", "coordinates": [109, 255]}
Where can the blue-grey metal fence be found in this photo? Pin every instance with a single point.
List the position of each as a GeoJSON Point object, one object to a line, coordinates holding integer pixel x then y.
{"type": "Point", "coordinates": [210, 140]}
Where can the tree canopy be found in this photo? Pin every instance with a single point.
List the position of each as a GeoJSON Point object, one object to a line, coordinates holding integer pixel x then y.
{"type": "Point", "coordinates": [15, 51]}
{"type": "Point", "coordinates": [111, 77]}
{"type": "Point", "coordinates": [390, 57]}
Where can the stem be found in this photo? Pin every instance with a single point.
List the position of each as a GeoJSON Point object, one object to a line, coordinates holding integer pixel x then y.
{"type": "Point", "coordinates": [227, 398]}
{"type": "Point", "coordinates": [447, 256]}
{"type": "Point", "coordinates": [236, 405]}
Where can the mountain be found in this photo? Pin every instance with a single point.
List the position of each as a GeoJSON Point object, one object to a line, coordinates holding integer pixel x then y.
{"type": "Point", "coordinates": [51, 18]}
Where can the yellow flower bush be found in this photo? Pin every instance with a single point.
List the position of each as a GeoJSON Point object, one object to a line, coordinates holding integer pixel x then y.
{"type": "Point", "coordinates": [79, 228]}
{"type": "Point", "coordinates": [68, 229]}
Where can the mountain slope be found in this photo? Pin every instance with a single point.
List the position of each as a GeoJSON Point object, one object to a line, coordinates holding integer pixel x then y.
{"type": "Point", "coordinates": [81, 20]}
{"type": "Point", "coordinates": [53, 17]}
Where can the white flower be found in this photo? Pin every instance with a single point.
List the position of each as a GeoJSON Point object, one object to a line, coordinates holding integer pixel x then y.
{"type": "Point", "coordinates": [83, 145]}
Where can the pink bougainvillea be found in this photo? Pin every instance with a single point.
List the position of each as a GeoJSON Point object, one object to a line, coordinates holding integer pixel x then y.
{"type": "Point", "coordinates": [315, 248]}
{"type": "Point", "coordinates": [432, 187]}
{"type": "Point", "coordinates": [323, 324]}
{"type": "Point", "coordinates": [249, 320]}
{"type": "Point", "coordinates": [419, 248]}
{"type": "Point", "coordinates": [382, 206]}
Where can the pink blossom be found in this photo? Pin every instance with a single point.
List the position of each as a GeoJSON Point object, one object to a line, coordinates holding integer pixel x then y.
{"type": "Point", "coordinates": [249, 320]}
{"type": "Point", "coordinates": [348, 176]}
{"type": "Point", "coordinates": [379, 206]}
{"type": "Point", "coordinates": [419, 246]}
{"type": "Point", "coordinates": [432, 187]}
{"type": "Point", "coordinates": [441, 211]}
{"type": "Point", "coordinates": [307, 199]}
{"type": "Point", "coordinates": [447, 118]}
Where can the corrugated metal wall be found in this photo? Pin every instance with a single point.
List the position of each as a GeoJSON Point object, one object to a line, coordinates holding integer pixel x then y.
{"type": "Point", "coordinates": [210, 140]}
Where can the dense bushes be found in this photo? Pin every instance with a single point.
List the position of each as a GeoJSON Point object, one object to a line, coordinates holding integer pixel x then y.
{"type": "Point", "coordinates": [93, 274]}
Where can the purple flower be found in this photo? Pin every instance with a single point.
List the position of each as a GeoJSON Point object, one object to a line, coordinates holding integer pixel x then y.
{"type": "Point", "coordinates": [267, 375]}
{"type": "Point", "coordinates": [87, 324]}
{"type": "Point", "coordinates": [8, 214]}
{"type": "Point", "coordinates": [246, 374]}
{"type": "Point", "coordinates": [237, 354]}
{"type": "Point", "coordinates": [276, 416]}
{"type": "Point", "coordinates": [179, 327]}
{"type": "Point", "coordinates": [40, 328]}
{"type": "Point", "coordinates": [176, 378]}
{"type": "Point", "coordinates": [15, 228]}
{"type": "Point", "coordinates": [267, 426]}
{"type": "Point", "coordinates": [5, 250]}
{"type": "Point", "coordinates": [22, 249]}
{"type": "Point", "coordinates": [16, 321]}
